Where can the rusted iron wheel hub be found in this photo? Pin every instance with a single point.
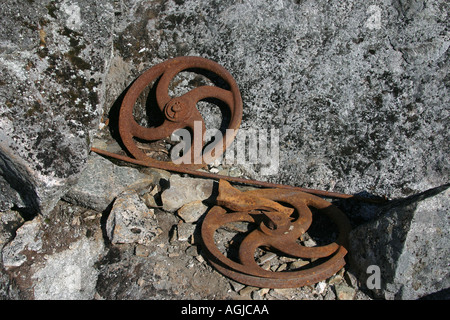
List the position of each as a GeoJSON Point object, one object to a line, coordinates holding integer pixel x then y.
{"type": "Point", "coordinates": [179, 112]}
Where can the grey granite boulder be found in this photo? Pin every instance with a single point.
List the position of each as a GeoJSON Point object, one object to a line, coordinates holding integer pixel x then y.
{"type": "Point", "coordinates": [53, 57]}
{"type": "Point", "coordinates": [357, 90]}
{"type": "Point", "coordinates": [182, 191]}
{"type": "Point", "coordinates": [408, 245]}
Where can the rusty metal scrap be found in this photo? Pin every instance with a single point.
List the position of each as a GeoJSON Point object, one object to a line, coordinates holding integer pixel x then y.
{"type": "Point", "coordinates": [180, 112]}
{"type": "Point", "coordinates": [277, 228]}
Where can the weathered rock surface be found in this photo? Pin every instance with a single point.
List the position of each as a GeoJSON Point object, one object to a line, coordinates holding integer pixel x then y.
{"type": "Point", "coordinates": [70, 274]}
{"type": "Point", "coordinates": [130, 221]}
{"type": "Point", "coordinates": [102, 181]}
{"type": "Point", "coordinates": [54, 257]}
{"type": "Point", "coordinates": [10, 221]}
{"type": "Point", "coordinates": [409, 245]}
{"type": "Point", "coordinates": [357, 91]}
{"type": "Point", "coordinates": [52, 60]}
{"type": "Point", "coordinates": [191, 212]}
{"type": "Point", "coordinates": [28, 237]}
{"type": "Point", "coordinates": [185, 190]}
{"type": "Point", "coordinates": [345, 292]}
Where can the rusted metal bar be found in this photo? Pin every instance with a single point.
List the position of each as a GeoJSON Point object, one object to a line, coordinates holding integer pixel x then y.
{"type": "Point", "coordinates": [202, 174]}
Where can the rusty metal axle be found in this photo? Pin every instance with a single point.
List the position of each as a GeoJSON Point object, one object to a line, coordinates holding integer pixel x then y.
{"type": "Point", "coordinates": [202, 174]}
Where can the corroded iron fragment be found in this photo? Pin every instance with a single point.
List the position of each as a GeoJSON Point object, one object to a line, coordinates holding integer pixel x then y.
{"type": "Point", "coordinates": [278, 230]}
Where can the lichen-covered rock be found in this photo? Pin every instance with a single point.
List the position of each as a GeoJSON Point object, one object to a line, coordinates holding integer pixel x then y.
{"type": "Point", "coordinates": [357, 90]}
{"type": "Point", "coordinates": [52, 60]}
{"type": "Point", "coordinates": [70, 274]}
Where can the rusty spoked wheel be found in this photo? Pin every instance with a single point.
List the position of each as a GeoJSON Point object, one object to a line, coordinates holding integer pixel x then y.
{"type": "Point", "coordinates": [277, 230]}
{"type": "Point", "coordinates": [179, 112]}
